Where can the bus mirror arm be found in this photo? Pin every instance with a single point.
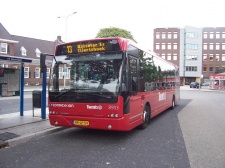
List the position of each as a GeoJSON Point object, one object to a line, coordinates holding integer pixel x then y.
{"type": "Point", "coordinates": [42, 61]}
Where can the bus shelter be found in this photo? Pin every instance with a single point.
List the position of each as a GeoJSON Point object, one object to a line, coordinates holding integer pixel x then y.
{"type": "Point", "coordinates": [15, 60]}
{"type": "Point", "coordinates": [217, 81]}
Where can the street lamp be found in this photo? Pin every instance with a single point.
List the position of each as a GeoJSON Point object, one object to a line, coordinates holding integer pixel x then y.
{"type": "Point", "coordinates": [66, 23]}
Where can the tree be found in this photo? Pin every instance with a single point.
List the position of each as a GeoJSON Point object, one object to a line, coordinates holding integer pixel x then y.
{"type": "Point", "coordinates": [114, 32]}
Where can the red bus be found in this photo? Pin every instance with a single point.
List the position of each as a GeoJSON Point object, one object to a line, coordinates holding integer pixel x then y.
{"type": "Point", "coordinates": [109, 84]}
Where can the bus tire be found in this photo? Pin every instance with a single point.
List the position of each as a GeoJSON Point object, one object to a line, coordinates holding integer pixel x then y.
{"type": "Point", "coordinates": [146, 117]}
{"type": "Point", "coordinates": [173, 103]}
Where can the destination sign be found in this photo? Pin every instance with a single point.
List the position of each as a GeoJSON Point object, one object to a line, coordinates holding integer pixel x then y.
{"type": "Point", "coordinates": [88, 47]}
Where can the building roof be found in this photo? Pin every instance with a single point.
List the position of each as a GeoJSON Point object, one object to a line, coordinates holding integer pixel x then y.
{"type": "Point", "coordinates": [31, 45]}
{"type": "Point", "coordinates": [4, 34]}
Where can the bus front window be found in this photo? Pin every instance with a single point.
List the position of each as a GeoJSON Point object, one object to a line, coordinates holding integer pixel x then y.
{"type": "Point", "coordinates": [87, 73]}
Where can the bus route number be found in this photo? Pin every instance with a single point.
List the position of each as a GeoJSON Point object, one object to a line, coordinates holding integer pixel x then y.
{"type": "Point", "coordinates": [69, 49]}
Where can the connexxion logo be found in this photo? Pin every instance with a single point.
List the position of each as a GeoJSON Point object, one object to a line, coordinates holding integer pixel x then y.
{"type": "Point", "coordinates": [94, 107]}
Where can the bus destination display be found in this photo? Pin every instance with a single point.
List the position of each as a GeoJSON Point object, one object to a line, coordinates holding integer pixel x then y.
{"type": "Point", "coordinates": [87, 47]}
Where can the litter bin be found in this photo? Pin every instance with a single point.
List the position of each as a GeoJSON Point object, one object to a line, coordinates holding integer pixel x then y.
{"type": "Point", "coordinates": [36, 96]}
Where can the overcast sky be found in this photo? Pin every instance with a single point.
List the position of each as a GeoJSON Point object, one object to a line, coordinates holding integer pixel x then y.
{"type": "Point", "coordinates": [38, 19]}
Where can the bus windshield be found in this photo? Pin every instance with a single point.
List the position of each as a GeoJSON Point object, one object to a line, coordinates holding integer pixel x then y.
{"type": "Point", "coordinates": [98, 72]}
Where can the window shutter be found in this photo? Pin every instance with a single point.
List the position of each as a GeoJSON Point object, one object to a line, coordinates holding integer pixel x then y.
{"type": "Point", "coordinates": [8, 49]}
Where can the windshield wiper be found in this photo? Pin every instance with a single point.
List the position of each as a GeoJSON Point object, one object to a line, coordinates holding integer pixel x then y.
{"type": "Point", "coordinates": [99, 95]}
{"type": "Point", "coordinates": [68, 90]}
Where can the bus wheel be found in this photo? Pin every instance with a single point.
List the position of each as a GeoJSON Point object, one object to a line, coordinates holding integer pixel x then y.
{"type": "Point", "coordinates": [146, 117]}
{"type": "Point", "coordinates": [173, 103]}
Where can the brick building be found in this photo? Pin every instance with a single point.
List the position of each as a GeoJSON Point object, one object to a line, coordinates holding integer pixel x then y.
{"type": "Point", "coordinates": [14, 46]}
{"type": "Point", "coordinates": [199, 52]}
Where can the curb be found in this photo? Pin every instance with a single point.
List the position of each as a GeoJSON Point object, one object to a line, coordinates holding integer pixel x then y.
{"type": "Point", "coordinates": [4, 144]}
{"type": "Point", "coordinates": [14, 141]}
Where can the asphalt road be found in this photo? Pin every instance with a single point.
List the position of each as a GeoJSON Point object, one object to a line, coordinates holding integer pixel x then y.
{"type": "Point", "coordinates": [191, 135]}
{"type": "Point", "coordinates": [12, 104]}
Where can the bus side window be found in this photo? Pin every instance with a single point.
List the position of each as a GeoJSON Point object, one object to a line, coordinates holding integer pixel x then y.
{"type": "Point", "coordinates": [134, 85]}
{"type": "Point", "coordinates": [133, 74]}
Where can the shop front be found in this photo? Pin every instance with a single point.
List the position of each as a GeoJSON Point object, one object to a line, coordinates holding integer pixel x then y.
{"type": "Point", "coordinates": [217, 81]}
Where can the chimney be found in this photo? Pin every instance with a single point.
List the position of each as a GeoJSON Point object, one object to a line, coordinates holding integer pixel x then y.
{"type": "Point", "coordinates": [59, 38]}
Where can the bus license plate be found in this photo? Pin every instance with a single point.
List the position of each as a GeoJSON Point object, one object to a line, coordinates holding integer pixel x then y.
{"type": "Point", "coordinates": [82, 123]}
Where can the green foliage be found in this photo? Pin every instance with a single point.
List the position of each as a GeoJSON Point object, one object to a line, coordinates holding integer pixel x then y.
{"type": "Point", "coordinates": [114, 32]}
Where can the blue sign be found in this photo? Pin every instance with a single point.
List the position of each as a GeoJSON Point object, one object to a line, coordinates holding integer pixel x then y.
{"type": "Point", "coordinates": [16, 59]}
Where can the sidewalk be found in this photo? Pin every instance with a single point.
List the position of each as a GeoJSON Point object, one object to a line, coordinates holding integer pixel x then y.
{"type": "Point", "coordinates": [14, 127]}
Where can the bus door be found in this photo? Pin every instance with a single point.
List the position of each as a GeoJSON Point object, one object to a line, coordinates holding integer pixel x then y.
{"type": "Point", "coordinates": [135, 98]}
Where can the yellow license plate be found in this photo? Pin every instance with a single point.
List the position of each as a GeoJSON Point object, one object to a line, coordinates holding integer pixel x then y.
{"type": "Point", "coordinates": [82, 123]}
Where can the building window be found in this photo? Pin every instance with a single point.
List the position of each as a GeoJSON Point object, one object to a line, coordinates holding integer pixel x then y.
{"type": "Point", "coordinates": [157, 36]}
{"type": "Point", "coordinates": [217, 46]}
{"type": "Point", "coordinates": [192, 46]}
{"type": "Point", "coordinates": [163, 35]}
{"type": "Point", "coordinates": [217, 69]}
{"type": "Point", "coordinates": [164, 56]}
{"type": "Point", "coordinates": [3, 48]}
{"type": "Point", "coordinates": [68, 73]}
{"type": "Point", "coordinates": [175, 46]}
{"type": "Point", "coordinates": [205, 46]}
{"type": "Point", "coordinates": [204, 69]}
{"type": "Point", "coordinates": [211, 35]}
{"type": "Point", "coordinates": [191, 57]}
{"type": "Point", "coordinates": [211, 46]}
{"type": "Point", "coordinates": [5, 66]}
{"type": "Point", "coordinates": [223, 35]}
{"type": "Point", "coordinates": [174, 57]}
{"type": "Point", "coordinates": [223, 46]}
{"type": "Point", "coordinates": [37, 73]}
{"type": "Point", "coordinates": [204, 57]}
{"type": "Point", "coordinates": [191, 35]}
{"type": "Point", "coordinates": [205, 35]}
{"type": "Point", "coordinates": [169, 57]}
{"type": "Point", "coordinates": [38, 52]}
{"type": "Point", "coordinates": [169, 46]}
{"type": "Point", "coordinates": [26, 72]}
{"type": "Point", "coordinates": [60, 73]}
{"type": "Point", "coordinates": [217, 35]}
{"type": "Point", "coordinates": [23, 51]}
{"type": "Point", "coordinates": [191, 68]}
{"type": "Point", "coordinates": [163, 46]}
{"type": "Point", "coordinates": [169, 36]}
{"type": "Point", "coordinates": [47, 72]}
{"type": "Point", "coordinates": [210, 69]}
{"type": "Point", "coordinates": [157, 46]}
{"type": "Point", "coordinates": [223, 57]}
{"type": "Point", "coordinates": [175, 35]}
{"type": "Point", "coordinates": [210, 57]}
{"type": "Point", "coordinates": [217, 58]}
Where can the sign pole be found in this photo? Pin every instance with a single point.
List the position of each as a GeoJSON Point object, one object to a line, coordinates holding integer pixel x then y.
{"type": "Point", "coordinates": [21, 88]}
{"type": "Point", "coordinates": [43, 95]}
